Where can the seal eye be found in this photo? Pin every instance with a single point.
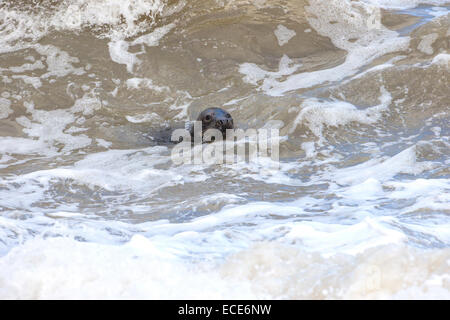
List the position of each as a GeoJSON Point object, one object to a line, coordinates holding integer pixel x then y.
{"type": "Point", "coordinates": [208, 118]}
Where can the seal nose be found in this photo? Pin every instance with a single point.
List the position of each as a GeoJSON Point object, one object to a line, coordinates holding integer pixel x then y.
{"type": "Point", "coordinates": [225, 123]}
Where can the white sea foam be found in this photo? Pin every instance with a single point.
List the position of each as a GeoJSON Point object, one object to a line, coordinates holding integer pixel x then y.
{"type": "Point", "coordinates": [367, 251]}
{"type": "Point", "coordinates": [48, 127]}
{"type": "Point", "coordinates": [254, 74]}
{"type": "Point", "coordinates": [419, 187]}
{"type": "Point", "coordinates": [309, 148]}
{"type": "Point", "coordinates": [5, 109]}
{"type": "Point", "coordinates": [316, 113]}
{"type": "Point", "coordinates": [118, 48]}
{"type": "Point", "coordinates": [152, 39]}
{"type": "Point", "coordinates": [39, 268]}
{"type": "Point", "coordinates": [13, 145]}
{"type": "Point", "coordinates": [59, 62]}
{"type": "Point", "coordinates": [53, 127]}
{"type": "Point", "coordinates": [362, 41]}
{"type": "Point", "coordinates": [34, 81]}
{"type": "Point", "coordinates": [147, 117]}
{"type": "Point", "coordinates": [425, 44]}
{"type": "Point", "coordinates": [145, 83]}
{"type": "Point", "coordinates": [403, 4]}
{"type": "Point", "coordinates": [86, 105]}
{"type": "Point", "coordinates": [438, 11]}
{"type": "Point", "coordinates": [103, 143]}
{"type": "Point", "coordinates": [383, 169]}
{"type": "Point", "coordinates": [442, 59]}
{"type": "Point", "coordinates": [28, 67]}
{"type": "Point", "coordinates": [122, 18]}
{"type": "Point", "coordinates": [284, 34]}
{"type": "Point", "coordinates": [113, 171]}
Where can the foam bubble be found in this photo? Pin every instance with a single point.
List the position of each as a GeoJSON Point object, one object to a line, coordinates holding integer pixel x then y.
{"type": "Point", "coordinates": [283, 34]}
{"type": "Point", "coordinates": [141, 83]}
{"type": "Point", "coordinates": [87, 105]}
{"type": "Point", "coordinates": [5, 109]}
{"type": "Point", "coordinates": [103, 143]}
{"type": "Point", "coordinates": [309, 148]}
{"type": "Point", "coordinates": [118, 50]}
{"type": "Point", "coordinates": [426, 42]}
{"type": "Point", "coordinates": [147, 117]}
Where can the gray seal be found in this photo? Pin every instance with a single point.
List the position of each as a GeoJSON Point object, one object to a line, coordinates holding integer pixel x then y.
{"type": "Point", "coordinates": [211, 118]}
{"type": "Point", "coordinates": [214, 118]}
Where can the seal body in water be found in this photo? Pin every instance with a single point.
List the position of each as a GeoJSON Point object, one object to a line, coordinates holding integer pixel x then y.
{"type": "Point", "coordinates": [214, 118]}
{"type": "Point", "coordinates": [211, 118]}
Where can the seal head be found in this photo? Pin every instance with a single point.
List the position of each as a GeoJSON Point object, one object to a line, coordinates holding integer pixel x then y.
{"type": "Point", "coordinates": [215, 118]}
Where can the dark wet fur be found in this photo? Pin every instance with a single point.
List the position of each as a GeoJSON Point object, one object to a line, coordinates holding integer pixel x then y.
{"type": "Point", "coordinates": [218, 119]}
{"type": "Point", "coordinates": [215, 118]}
